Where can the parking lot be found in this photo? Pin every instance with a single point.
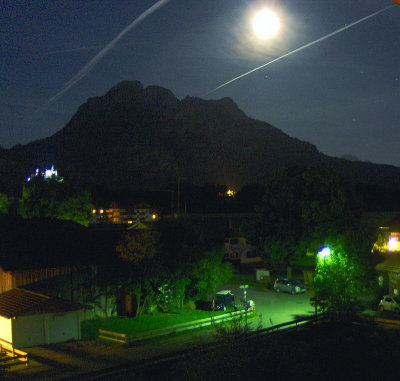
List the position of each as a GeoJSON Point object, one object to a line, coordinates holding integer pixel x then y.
{"type": "Point", "coordinates": [275, 308]}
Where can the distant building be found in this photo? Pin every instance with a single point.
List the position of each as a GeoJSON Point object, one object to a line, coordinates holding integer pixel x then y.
{"type": "Point", "coordinates": [123, 216]}
{"type": "Point", "coordinates": [388, 240]}
{"type": "Point", "coordinates": [389, 274]}
{"type": "Point", "coordinates": [388, 245]}
{"type": "Point", "coordinates": [237, 249]}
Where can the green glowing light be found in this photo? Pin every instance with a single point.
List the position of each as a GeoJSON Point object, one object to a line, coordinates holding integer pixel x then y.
{"type": "Point", "coordinates": [324, 253]}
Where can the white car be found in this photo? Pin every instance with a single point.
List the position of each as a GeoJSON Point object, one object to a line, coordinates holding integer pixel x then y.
{"type": "Point", "coordinates": [288, 285]}
{"type": "Point", "coordinates": [390, 303]}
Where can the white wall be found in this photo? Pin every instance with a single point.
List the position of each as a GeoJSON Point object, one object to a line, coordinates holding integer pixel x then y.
{"type": "Point", "coordinates": [28, 331]}
{"type": "Point", "coordinates": [63, 327]}
{"type": "Point", "coordinates": [5, 329]}
{"type": "Point", "coordinates": [45, 329]}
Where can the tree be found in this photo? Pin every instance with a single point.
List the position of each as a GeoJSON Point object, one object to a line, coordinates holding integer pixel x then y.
{"type": "Point", "coordinates": [180, 246]}
{"type": "Point", "coordinates": [338, 281]}
{"type": "Point", "coordinates": [49, 197]}
{"type": "Point", "coordinates": [167, 266]}
{"type": "Point", "coordinates": [137, 246]}
{"type": "Point", "coordinates": [209, 273]}
{"type": "Point", "coordinates": [137, 267]}
{"type": "Point", "coordinates": [302, 207]}
{"type": "Point", "coordinates": [4, 203]}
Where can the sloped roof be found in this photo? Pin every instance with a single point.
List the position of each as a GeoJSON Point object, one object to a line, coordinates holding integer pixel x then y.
{"type": "Point", "coordinates": [138, 226]}
{"type": "Point", "coordinates": [20, 302]}
{"type": "Point", "coordinates": [391, 263]}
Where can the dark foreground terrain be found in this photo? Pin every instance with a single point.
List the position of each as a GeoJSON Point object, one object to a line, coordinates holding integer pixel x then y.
{"type": "Point", "coordinates": [321, 352]}
{"type": "Point", "coordinates": [328, 352]}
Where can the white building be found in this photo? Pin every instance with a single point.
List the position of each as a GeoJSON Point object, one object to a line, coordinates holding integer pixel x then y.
{"type": "Point", "coordinates": [28, 319]}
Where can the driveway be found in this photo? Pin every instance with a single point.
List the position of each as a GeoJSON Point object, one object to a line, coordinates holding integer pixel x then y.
{"type": "Point", "coordinates": [275, 308]}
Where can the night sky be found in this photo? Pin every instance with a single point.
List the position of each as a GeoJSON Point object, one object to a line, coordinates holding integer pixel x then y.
{"type": "Point", "coordinates": [341, 94]}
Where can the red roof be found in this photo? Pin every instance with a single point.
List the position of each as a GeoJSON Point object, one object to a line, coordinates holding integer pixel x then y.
{"type": "Point", "coordinates": [20, 302]}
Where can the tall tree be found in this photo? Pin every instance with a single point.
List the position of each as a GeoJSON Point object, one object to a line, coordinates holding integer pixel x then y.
{"type": "Point", "coordinates": [181, 246]}
{"type": "Point", "coordinates": [48, 197]}
{"type": "Point", "coordinates": [4, 203]}
{"type": "Point", "coordinates": [302, 207]}
{"type": "Point", "coordinates": [209, 272]}
{"type": "Point", "coordinates": [137, 266]}
{"type": "Point", "coordinates": [338, 281]}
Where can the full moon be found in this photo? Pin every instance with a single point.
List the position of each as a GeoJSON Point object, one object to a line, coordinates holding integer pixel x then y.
{"type": "Point", "coordinates": [265, 24]}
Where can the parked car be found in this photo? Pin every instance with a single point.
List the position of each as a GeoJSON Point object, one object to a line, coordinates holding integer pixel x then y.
{"type": "Point", "coordinates": [289, 285]}
{"type": "Point", "coordinates": [390, 303]}
{"type": "Point", "coordinates": [224, 299]}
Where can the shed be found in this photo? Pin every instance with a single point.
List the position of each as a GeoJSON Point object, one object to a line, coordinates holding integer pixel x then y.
{"type": "Point", "coordinates": [391, 267]}
{"type": "Point", "coordinates": [28, 318]}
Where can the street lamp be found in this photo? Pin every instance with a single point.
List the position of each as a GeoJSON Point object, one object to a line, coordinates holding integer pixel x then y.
{"type": "Point", "coordinates": [324, 253]}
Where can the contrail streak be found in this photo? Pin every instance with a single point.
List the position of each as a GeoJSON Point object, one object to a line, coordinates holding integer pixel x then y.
{"type": "Point", "coordinates": [72, 50]}
{"type": "Point", "coordinates": [302, 47]}
{"type": "Point", "coordinates": [89, 66]}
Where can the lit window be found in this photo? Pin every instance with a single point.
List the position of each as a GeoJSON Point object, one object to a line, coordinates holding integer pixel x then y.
{"type": "Point", "coordinates": [101, 211]}
{"type": "Point", "coordinates": [94, 211]}
{"type": "Point", "coordinates": [154, 216]}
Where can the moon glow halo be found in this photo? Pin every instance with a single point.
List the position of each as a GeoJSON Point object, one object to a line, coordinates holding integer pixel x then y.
{"type": "Point", "coordinates": [265, 24]}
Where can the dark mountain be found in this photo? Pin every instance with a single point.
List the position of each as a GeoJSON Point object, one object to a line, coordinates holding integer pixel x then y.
{"type": "Point", "coordinates": [145, 138]}
{"type": "Point", "coordinates": [350, 157]}
{"type": "Point", "coordinates": [13, 168]}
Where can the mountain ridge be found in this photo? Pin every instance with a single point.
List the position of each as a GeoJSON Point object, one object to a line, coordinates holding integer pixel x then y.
{"type": "Point", "coordinates": [145, 138]}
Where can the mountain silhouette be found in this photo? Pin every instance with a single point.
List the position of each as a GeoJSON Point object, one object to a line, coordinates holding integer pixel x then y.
{"type": "Point", "coordinates": [145, 138]}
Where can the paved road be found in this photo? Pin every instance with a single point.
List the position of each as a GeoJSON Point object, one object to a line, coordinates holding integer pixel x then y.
{"type": "Point", "coordinates": [275, 308]}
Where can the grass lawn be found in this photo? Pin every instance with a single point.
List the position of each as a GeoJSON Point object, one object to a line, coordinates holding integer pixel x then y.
{"type": "Point", "coordinates": [142, 323]}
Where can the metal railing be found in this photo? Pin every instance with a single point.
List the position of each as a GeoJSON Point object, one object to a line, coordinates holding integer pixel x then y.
{"type": "Point", "coordinates": [122, 372]}
{"type": "Point", "coordinates": [113, 336]}
{"type": "Point", "coordinates": [8, 349]}
{"type": "Point", "coordinates": [378, 321]}
{"type": "Point", "coordinates": [207, 322]}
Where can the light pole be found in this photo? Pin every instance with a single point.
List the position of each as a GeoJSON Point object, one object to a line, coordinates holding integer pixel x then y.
{"type": "Point", "coordinates": [245, 287]}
